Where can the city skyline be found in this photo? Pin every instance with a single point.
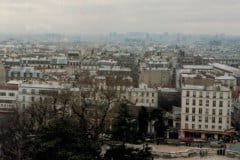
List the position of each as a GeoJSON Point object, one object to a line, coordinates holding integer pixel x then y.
{"type": "Point", "coordinates": [104, 16]}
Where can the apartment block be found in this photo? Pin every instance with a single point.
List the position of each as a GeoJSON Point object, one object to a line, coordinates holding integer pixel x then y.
{"type": "Point", "coordinates": [143, 96]}
{"type": "Point", "coordinates": [8, 98]}
{"type": "Point", "coordinates": [32, 92]}
{"type": "Point", "coordinates": [205, 111]}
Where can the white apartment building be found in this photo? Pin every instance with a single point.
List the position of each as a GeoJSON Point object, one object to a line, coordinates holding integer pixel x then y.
{"type": "Point", "coordinates": [205, 112]}
{"type": "Point", "coordinates": [36, 91]}
{"type": "Point", "coordinates": [8, 98]}
{"type": "Point", "coordinates": [143, 96]}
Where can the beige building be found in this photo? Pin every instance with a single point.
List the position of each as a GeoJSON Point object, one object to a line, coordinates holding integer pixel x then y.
{"type": "Point", "coordinates": [143, 96]}
{"type": "Point", "coordinates": [205, 112]}
{"type": "Point", "coordinates": [196, 79]}
{"type": "Point", "coordinates": [160, 77]}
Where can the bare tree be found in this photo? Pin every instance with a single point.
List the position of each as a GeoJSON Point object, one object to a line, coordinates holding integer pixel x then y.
{"type": "Point", "coordinates": [13, 133]}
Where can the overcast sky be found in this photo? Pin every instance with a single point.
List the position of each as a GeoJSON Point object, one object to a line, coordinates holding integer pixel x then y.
{"type": "Point", "coordinates": [103, 16]}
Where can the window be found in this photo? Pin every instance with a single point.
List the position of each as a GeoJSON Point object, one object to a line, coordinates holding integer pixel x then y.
{"type": "Point", "coordinates": [193, 110]}
{"type": "Point", "coordinates": [136, 100]}
{"type": "Point", "coordinates": [187, 94]}
{"type": "Point", "coordinates": [186, 117]}
{"type": "Point", "coordinates": [23, 98]}
{"type": "Point", "coordinates": [147, 100]}
{"type": "Point", "coordinates": [187, 110]}
{"type": "Point", "coordinates": [213, 119]}
{"type": "Point", "coordinates": [200, 110]}
{"type": "Point", "coordinates": [193, 102]}
{"type": "Point", "coordinates": [200, 119]}
{"type": "Point", "coordinates": [228, 112]}
{"type": "Point", "coordinates": [221, 95]}
{"type": "Point", "coordinates": [214, 94]}
{"type": "Point", "coordinates": [2, 93]}
{"type": "Point", "coordinates": [220, 111]}
{"type": "Point", "coordinates": [213, 127]}
{"type": "Point", "coordinates": [33, 99]}
{"type": "Point", "coordinates": [213, 111]}
{"type": "Point", "coordinates": [142, 94]}
{"type": "Point", "coordinates": [11, 94]}
{"type": "Point", "coordinates": [207, 94]}
{"type": "Point", "coordinates": [206, 119]}
{"type": "Point", "coordinates": [207, 102]}
{"type": "Point", "coordinates": [147, 94]}
{"type": "Point", "coordinates": [193, 118]}
{"type": "Point", "coordinates": [194, 93]}
{"type": "Point", "coordinates": [186, 126]}
{"type": "Point", "coordinates": [206, 126]}
{"type": "Point", "coordinates": [200, 102]}
{"type": "Point", "coordinates": [220, 120]}
{"type": "Point", "coordinates": [152, 94]}
{"type": "Point", "coordinates": [193, 126]}
{"type": "Point", "coordinates": [220, 103]}
{"type": "Point", "coordinates": [214, 103]}
{"type": "Point", "coordinates": [199, 126]}
{"type": "Point", "coordinates": [207, 111]}
{"type": "Point", "coordinates": [219, 127]}
{"type": "Point", "coordinates": [187, 101]}
{"type": "Point", "coordinates": [141, 100]}
{"type": "Point", "coordinates": [200, 94]}
{"type": "Point", "coordinates": [152, 100]}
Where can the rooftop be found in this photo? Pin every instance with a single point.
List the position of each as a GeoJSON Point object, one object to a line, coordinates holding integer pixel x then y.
{"type": "Point", "coordinates": [38, 84]}
{"type": "Point", "coordinates": [173, 90]}
{"type": "Point", "coordinates": [225, 77]}
{"type": "Point", "coordinates": [226, 68]}
{"type": "Point", "coordinates": [142, 89]}
{"type": "Point", "coordinates": [202, 67]}
{"type": "Point", "coordinates": [206, 88]}
{"type": "Point", "coordinates": [8, 87]}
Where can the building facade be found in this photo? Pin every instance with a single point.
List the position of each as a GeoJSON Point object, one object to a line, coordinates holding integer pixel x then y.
{"type": "Point", "coordinates": [156, 77]}
{"type": "Point", "coordinates": [8, 98]}
{"type": "Point", "coordinates": [34, 92]}
{"type": "Point", "coordinates": [205, 112]}
{"type": "Point", "coordinates": [23, 73]}
{"type": "Point", "coordinates": [143, 96]}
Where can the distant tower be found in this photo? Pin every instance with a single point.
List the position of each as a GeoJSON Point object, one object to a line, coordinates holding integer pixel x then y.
{"type": "Point", "coordinates": [2, 73]}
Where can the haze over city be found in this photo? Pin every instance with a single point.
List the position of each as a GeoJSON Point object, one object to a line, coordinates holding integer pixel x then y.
{"type": "Point", "coordinates": [104, 16]}
{"type": "Point", "coordinates": [119, 80]}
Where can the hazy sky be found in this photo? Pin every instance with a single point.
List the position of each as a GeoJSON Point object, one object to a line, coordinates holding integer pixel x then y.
{"type": "Point", "coordinates": [103, 16]}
